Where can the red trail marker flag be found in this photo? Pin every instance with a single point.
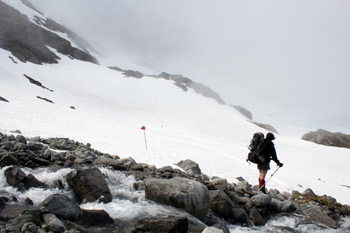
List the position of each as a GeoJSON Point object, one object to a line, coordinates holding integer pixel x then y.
{"type": "Point", "coordinates": [144, 131]}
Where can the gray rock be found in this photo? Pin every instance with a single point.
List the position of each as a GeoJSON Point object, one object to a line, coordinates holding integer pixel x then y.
{"type": "Point", "coordinates": [61, 206]}
{"type": "Point", "coordinates": [327, 138]}
{"type": "Point", "coordinates": [309, 192]}
{"type": "Point", "coordinates": [104, 161]}
{"type": "Point", "coordinates": [19, 146]}
{"type": "Point", "coordinates": [53, 223]}
{"type": "Point", "coordinates": [89, 185]}
{"type": "Point", "coordinates": [256, 217]}
{"type": "Point", "coordinates": [282, 206]}
{"type": "Point", "coordinates": [315, 214]}
{"type": "Point", "coordinates": [261, 200]}
{"type": "Point", "coordinates": [8, 160]}
{"type": "Point", "coordinates": [34, 146]}
{"type": "Point", "coordinates": [29, 227]}
{"type": "Point", "coordinates": [189, 165]}
{"type": "Point", "coordinates": [11, 211]}
{"type": "Point", "coordinates": [21, 138]}
{"type": "Point", "coordinates": [218, 184]}
{"type": "Point", "coordinates": [168, 224]}
{"type": "Point", "coordinates": [14, 176]}
{"type": "Point", "coordinates": [240, 216]}
{"type": "Point", "coordinates": [92, 218]}
{"type": "Point", "coordinates": [186, 194]}
{"type": "Point", "coordinates": [243, 186]}
{"type": "Point", "coordinates": [220, 203]}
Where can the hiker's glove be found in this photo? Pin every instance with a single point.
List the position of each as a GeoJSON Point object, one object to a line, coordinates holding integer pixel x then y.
{"type": "Point", "coordinates": [280, 164]}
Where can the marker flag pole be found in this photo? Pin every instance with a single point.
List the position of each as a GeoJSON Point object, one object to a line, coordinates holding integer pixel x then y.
{"type": "Point", "coordinates": [144, 132]}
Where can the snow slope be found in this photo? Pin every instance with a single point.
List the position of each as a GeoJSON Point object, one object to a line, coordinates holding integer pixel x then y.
{"type": "Point", "coordinates": [110, 109]}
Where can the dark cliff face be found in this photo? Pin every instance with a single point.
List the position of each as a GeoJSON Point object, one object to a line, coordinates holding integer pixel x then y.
{"type": "Point", "coordinates": [28, 41]}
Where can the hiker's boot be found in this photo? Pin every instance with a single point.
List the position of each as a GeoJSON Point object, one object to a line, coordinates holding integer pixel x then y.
{"type": "Point", "coordinates": [262, 185]}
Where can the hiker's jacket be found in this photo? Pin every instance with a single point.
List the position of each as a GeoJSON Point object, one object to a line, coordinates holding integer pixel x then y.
{"type": "Point", "coordinates": [269, 151]}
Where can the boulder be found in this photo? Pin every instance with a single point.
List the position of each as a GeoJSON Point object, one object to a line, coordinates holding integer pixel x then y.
{"type": "Point", "coordinates": [282, 206]}
{"type": "Point", "coordinates": [168, 224]}
{"type": "Point", "coordinates": [316, 214]}
{"type": "Point", "coordinates": [243, 186]}
{"type": "Point", "coordinates": [240, 216]}
{"type": "Point", "coordinates": [89, 185]}
{"type": "Point", "coordinates": [53, 223]}
{"type": "Point", "coordinates": [14, 176]}
{"type": "Point", "coordinates": [7, 160]}
{"type": "Point", "coordinates": [256, 217]}
{"type": "Point", "coordinates": [218, 184]}
{"type": "Point", "coordinates": [12, 211]}
{"type": "Point", "coordinates": [182, 193]}
{"type": "Point", "coordinates": [91, 218]}
{"type": "Point", "coordinates": [61, 206]}
{"type": "Point", "coordinates": [220, 203]}
{"type": "Point", "coordinates": [189, 166]}
{"type": "Point", "coordinates": [261, 200]}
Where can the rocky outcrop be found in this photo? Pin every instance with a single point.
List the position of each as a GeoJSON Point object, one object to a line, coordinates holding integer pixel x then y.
{"type": "Point", "coordinates": [327, 138]}
{"type": "Point", "coordinates": [244, 112]}
{"type": "Point", "coordinates": [29, 42]}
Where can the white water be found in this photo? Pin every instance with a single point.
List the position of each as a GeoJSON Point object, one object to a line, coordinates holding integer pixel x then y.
{"type": "Point", "coordinates": [129, 204]}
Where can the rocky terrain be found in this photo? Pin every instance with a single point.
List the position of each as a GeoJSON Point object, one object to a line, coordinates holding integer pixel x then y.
{"type": "Point", "coordinates": [206, 203]}
{"type": "Point", "coordinates": [327, 138]}
{"type": "Point", "coordinates": [29, 41]}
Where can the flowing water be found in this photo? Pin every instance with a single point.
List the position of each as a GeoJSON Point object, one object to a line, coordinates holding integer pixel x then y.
{"type": "Point", "coordinates": [129, 204]}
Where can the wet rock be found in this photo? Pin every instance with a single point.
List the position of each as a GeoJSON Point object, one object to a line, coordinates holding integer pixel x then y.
{"type": "Point", "coordinates": [53, 223]}
{"type": "Point", "coordinates": [256, 217]}
{"type": "Point", "coordinates": [240, 216]}
{"type": "Point", "coordinates": [169, 224]}
{"type": "Point", "coordinates": [89, 185]}
{"type": "Point", "coordinates": [14, 176]}
{"type": "Point", "coordinates": [61, 206]}
{"type": "Point", "coordinates": [186, 194]}
{"type": "Point", "coordinates": [91, 218]}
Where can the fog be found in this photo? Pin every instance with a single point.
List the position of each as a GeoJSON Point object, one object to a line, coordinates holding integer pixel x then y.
{"type": "Point", "coordinates": [287, 61]}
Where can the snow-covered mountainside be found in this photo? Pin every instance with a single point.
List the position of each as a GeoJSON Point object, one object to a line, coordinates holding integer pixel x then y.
{"type": "Point", "coordinates": [91, 103]}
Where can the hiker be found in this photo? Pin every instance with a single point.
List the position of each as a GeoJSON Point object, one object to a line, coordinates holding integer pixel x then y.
{"type": "Point", "coordinates": [269, 153]}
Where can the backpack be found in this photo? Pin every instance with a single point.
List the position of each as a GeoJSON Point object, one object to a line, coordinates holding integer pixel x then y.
{"type": "Point", "coordinates": [256, 147]}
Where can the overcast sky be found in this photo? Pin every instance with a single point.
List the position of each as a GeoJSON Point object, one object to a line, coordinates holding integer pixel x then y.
{"type": "Point", "coordinates": [287, 61]}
